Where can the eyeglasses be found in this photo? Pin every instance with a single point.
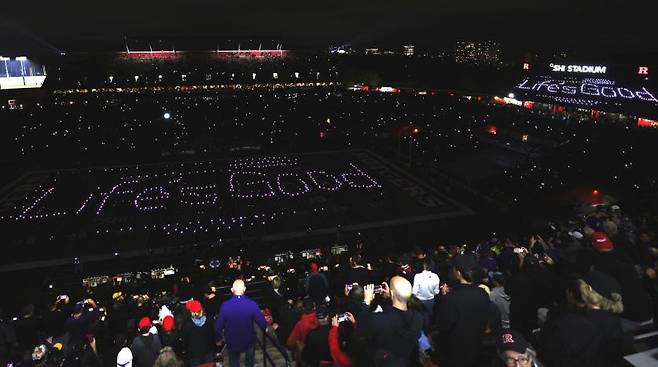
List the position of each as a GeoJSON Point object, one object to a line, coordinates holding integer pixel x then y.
{"type": "Point", "coordinates": [521, 360]}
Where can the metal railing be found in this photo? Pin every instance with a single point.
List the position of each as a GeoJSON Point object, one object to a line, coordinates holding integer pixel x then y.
{"type": "Point", "coordinates": [277, 345]}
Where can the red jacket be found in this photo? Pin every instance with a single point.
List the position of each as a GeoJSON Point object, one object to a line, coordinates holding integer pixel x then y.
{"type": "Point", "coordinates": [305, 325]}
{"type": "Point", "coordinates": [342, 359]}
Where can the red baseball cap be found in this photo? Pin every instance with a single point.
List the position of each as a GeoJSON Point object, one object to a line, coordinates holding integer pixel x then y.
{"type": "Point", "coordinates": [144, 323]}
{"type": "Point", "coordinates": [194, 306]}
{"type": "Point", "coordinates": [601, 242]}
{"type": "Point", "coordinates": [168, 323]}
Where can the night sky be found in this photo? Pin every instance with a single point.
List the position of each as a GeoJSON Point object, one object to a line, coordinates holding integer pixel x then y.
{"type": "Point", "coordinates": [78, 24]}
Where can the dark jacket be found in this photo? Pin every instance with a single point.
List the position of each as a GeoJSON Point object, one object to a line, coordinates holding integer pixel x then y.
{"type": "Point", "coordinates": [461, 319]}
{"type": "Point", "coordinates": [316, 346]}
{"type": "Point", "coordinates": [145, 350]}
{"type": "Point", "coordinates": [198, 341]}
{"type": "Point", "coordinates": [637, 303]}
{"type": "Point", "coordinates": [392, 330]}
{"type": "Point", "coordinates": [575, 338]}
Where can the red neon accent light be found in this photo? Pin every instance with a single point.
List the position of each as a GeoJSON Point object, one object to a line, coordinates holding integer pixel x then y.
{"type": "Point", "coordinates": [151, 54]}
{"type": "Point", "coordinates": [642, 122]}
{"type": "Point", "coordinates": [558, 108]}
{"type": "Point", "coordinates": [595, 192]}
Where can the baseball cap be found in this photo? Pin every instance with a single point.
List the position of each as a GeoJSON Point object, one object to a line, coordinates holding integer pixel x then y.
{"type": "Point", "coordinates": [602, 283]}
{"type": "Point", "coordinates": [512, 340]}
{"type": "Point", "coordinates": [601, 242]}
{"type": "Point", "coordinates": [144, 323]}
{"type": "Point", "coordinates": [168, 323]}
{"type": "Point", "coordinates": [194, 306]}
{"type": "Point", "coordinates": [125, 357]}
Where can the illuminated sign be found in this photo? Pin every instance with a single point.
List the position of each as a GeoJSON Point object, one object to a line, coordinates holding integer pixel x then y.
{"type": "Point", "coordinates": [388, 90]}
{"type": "Point", "coordinates": [643, 70]}
{"type": "Point", "coordinates": [526, 66]}
{"type": "Point", "coordinates": [587, 69]}
{"type": "Point", "coordinates": [642, 122]}
{"type": "Point", "coordinates": [572, 91]}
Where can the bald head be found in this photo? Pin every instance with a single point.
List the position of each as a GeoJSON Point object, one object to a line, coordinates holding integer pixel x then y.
{"type": "Point", "coordinates": [401, 289]}
{"type": "Point", "coordinates": [238, 287]}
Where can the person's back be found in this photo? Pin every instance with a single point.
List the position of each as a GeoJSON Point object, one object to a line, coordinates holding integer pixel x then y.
{"type": "Point", "coordinates": [316, 346]}
{"type": "Point", "coordinates": [637, 302]}
{"type": "Point", "coordinates": [462, 316]}
{"type": "Point", "coordinates": [235, 323]}
{"type": "Point", "coordinates": [26, 328]}
{"type": "Point", "coordinates": [462, 319]}
{"type": "Point", "coordinates": [571, 339]}
{"type": "Point", "coordinates": [397, 329]}
{"type": "Point", "coordinates": [145, 349]}
{"type": "Point", "coordinates": [614, 341]}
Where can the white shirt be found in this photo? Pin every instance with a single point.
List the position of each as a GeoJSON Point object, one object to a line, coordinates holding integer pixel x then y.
{"type": "Point", "coordinates": [426, 285]}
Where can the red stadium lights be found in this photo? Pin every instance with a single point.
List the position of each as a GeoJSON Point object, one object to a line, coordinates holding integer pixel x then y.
{"type": "Point", "coordinates": [415, 130]}
{"type": "Point", "coordinates": [595, 192]}
{"type": "Point", "coordinates": [642, 122]}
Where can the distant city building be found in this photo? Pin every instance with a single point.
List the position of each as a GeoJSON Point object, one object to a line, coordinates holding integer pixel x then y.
{"type": "Point", "coordinates": [477, 53]}
{"type": "Point", "coordinates": [408, 50]}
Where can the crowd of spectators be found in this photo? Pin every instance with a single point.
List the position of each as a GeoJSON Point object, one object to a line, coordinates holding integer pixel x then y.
{"type": "Point", "coordinates": [571, 294]}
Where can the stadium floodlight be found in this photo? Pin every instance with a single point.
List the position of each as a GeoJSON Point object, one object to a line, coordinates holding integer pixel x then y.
{"type": "Point", "coordinates": [4, 58]}
{"type": "Point", "coordinates": [167, 115]}
{"type": "Point", "coordinates": [21, 58]}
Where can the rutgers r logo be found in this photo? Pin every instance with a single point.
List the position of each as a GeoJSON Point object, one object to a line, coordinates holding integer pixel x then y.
{"type": "Point", "coordinates": [508, 338]}
{"type": "Point", "coordinates": [643, 70]}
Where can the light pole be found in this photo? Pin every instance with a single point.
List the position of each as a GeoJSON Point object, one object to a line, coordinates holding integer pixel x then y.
{"type": "Point", "coordinates": [21, 59]}
{"type": "Point", "coordinates": [5, 59]}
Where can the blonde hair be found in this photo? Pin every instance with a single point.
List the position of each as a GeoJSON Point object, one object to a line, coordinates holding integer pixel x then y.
{"type": "Point", "coordinates": [593, 299]}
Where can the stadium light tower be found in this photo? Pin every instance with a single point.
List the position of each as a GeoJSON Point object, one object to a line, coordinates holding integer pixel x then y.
{"type": "Point", "coordinates": [22, 59]}
{"type": "Point", "coordinates": [5, 59]}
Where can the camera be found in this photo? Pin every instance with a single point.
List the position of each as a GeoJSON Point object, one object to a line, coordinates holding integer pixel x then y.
{"type": "Point", "coordinates": [342, 317]}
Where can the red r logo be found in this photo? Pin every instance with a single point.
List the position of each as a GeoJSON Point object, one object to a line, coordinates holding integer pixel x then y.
{"type": "Point", "coordinates": [508, 338]}
{"type": "Point", "coordinates": [643, 70]}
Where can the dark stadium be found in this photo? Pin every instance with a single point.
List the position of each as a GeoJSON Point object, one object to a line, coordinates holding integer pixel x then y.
{"type": "Point", "coordinates": [402, 184]}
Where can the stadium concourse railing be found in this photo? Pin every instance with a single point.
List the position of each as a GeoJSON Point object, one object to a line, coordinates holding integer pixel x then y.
{"type": "Point", "coordinates": [266, 356]}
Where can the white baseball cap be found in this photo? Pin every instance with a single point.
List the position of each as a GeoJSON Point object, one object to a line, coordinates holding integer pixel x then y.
{"type": "Point", "coordinates": [125, 358]}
